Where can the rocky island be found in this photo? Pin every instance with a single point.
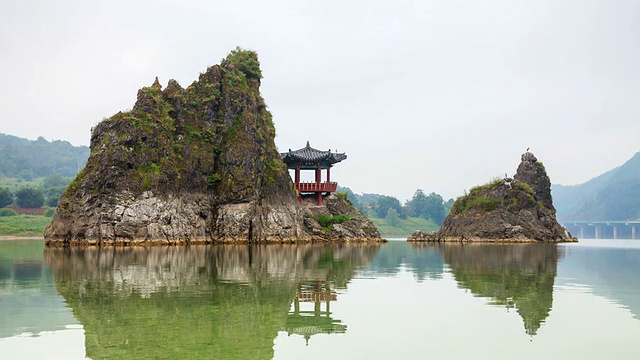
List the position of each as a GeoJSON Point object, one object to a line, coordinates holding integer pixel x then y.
{"type": "Point", "coordinates": [196, 165]}
{"type": "Point", "coordinates": [518, 209]}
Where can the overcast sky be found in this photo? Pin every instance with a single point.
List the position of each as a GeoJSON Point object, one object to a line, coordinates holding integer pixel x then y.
{"type": "Point", "coordinates": [437, 95]}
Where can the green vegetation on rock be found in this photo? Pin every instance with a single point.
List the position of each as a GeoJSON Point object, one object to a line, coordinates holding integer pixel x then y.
{"type": "Point", "coordinates": [488, 197]}
{"type": "Point", "coordinates": [326, 222]}
{"type": "Point", "coordinates": [189, 139]}
{"type": "Point", "coordinates": [245, 61]}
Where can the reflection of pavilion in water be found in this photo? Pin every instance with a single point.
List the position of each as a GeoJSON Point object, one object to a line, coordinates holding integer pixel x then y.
{"type": "Point", "coordinates": [311, 322]}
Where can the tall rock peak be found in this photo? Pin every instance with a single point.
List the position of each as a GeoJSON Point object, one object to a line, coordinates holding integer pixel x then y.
{"type": "Point", "coordinates": [532, 172]}
{"type": "Point", "coordinates": [196, 164]}
{"type": "Point", "coordinates": [156, 84]}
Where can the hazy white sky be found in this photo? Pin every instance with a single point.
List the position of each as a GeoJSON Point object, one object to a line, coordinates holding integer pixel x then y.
{"type": "Point", "coordinates": [437, 95]}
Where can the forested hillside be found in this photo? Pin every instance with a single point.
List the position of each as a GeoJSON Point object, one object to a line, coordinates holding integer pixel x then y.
{"type": "Point", "coordinates": [614, 195]}
{"type": "Point", "coordinates": [27, 159]}
{"type": "Point", "coordinates": [394, 219]}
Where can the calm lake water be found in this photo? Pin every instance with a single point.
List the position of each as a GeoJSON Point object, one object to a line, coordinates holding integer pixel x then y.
{"type": "Point", "coordinates": [389, 301]}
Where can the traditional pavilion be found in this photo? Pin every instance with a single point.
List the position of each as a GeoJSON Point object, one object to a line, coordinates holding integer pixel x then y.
{"type": "Point", "coordinates": [309, 158]}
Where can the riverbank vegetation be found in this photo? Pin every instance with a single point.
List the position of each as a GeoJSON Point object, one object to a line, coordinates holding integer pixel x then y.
{"type": "Point", "coordinates": [402, 228]}
{"type": "Point", "coordinates": [394, 219]}
{"type": "Point", "coordinates": [26, 207]}
{"type": "Point", "coordinates": [23, 225]}
{"type": "Point", "coordinates": [34, 193]}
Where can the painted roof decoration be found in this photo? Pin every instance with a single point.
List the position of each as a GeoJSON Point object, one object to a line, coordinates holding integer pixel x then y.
{"type": "Point", "coordinates": [309, 156]}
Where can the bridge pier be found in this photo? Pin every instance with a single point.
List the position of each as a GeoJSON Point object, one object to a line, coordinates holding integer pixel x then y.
{"type": "Point", "coordinates": [609, 229]}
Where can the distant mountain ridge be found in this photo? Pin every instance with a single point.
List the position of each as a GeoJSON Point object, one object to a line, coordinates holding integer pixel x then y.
{"type": "Point", "coordinates": [21, 157]}
{"type": "Point", "coordinates": [613, 195]}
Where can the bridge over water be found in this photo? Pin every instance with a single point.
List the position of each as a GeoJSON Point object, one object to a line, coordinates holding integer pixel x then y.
{"type": "Point", "coordinates": [604, 229]}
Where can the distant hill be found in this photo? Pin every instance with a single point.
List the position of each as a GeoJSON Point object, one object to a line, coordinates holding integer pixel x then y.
{"type": "Point", "coordinates": [23, 158]}
{"type": "Point", "coordinates": [614, 195]}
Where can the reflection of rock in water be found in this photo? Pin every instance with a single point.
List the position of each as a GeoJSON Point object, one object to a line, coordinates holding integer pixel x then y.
{"type": "Point", "coordinates": [198, 301]}
{"type": "Point", "coordinates": [518, 275]}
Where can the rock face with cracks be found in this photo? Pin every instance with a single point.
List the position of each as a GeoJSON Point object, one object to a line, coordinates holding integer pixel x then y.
{"type": "Point", "coordinates": [518, 209]}
{"type": "Point", "coordinates": [194, 165]}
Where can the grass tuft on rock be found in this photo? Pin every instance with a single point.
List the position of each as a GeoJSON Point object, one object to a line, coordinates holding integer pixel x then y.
{"type": "Point", "coordinates": [326, 222]}
{"type": "Point", "coordinates": [488, 197]}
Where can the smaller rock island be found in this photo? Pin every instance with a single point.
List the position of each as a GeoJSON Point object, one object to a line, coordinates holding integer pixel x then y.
{"type": "Point", "coordinates": [518, 209]}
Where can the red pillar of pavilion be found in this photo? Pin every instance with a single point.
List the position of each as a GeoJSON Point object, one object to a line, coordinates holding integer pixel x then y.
{"type": "Point", "coordinates": [319, 184]}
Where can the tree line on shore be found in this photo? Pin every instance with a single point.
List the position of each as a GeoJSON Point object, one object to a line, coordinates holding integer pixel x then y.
{"type": "Point", "coordinates": [425, 206]}
{"type": "Point", "coordinates": [35, 194]}
{"type": "Point", "coordinates": [35, 173]}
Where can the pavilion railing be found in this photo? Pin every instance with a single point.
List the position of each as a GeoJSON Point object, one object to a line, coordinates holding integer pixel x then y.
{"type": "Point", "coordinates": [317, 187]}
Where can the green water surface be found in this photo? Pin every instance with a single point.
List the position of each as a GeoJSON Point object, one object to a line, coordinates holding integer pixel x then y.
{"type": "Point", "coordinates": [349, 301]}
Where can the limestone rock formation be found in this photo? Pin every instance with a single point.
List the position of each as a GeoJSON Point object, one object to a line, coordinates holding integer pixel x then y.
{"type": "Point", "coordinates": [420, 235]}
{"type": "Point", "coordinates": [194, 165]}
{"type": "Point", "coordinates": [345, 222]}
{"type": "Point", "coordinates": [517, 209]}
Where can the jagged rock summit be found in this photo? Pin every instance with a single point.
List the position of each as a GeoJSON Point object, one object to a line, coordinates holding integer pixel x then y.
{"type": "Point", "coordinates": [195, 165]}
{"type": "Point", "coordinates": [518, 209]}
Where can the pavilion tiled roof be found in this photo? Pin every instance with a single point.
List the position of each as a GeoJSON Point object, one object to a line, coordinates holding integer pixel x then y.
{"type": "Point", "coordinates": [308, 155]}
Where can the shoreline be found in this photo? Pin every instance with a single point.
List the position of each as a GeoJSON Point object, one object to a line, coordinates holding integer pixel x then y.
{"type": "Point", "coordinates": [15, 237]}
{"type": "Point", "coordinates": [479, 240]}
{"type": "Point", "coordinates": [53, 243]}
